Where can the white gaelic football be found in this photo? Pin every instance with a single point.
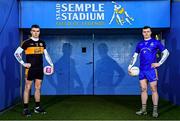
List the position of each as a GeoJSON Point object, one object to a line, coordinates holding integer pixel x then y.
{"type": "Point", "coordinates": [134, 71]}
{"type": "Point", "coordinates": [48, 70]}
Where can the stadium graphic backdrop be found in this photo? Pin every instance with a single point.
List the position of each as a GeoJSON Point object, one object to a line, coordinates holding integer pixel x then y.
{"type": "Point", "coordinates": [95, 14]}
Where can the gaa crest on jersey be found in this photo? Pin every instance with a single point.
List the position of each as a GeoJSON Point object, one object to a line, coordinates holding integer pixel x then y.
{"type": "Point", "coordinates": [41, 44]}
{"type": "Point", "coordinates": [152, 44]}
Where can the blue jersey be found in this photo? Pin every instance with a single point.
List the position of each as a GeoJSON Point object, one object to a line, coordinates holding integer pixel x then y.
{"type": "Point", "coordinates": [147, 49]}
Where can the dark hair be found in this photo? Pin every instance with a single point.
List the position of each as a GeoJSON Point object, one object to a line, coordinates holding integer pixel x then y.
{"type": "Point", "coordinates": [146, 27]}
{"type": "Point", "coordinates": [35, 26]}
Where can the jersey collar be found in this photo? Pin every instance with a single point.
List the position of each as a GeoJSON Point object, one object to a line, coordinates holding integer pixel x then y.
{"type": "Point", "coordinates": [148, 39]}
{"type": "Point", "coordinates": [34, 39]}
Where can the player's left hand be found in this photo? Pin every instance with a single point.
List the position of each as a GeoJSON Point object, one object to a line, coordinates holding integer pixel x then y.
{"type": "Point", "coordinates": [129, 71]}
{"type": "Point", "coordinates": [52, 69]}
{"type": "Point", "coordinates": [155, 65]}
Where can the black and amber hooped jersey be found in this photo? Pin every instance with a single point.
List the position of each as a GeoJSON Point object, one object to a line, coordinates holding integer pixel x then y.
{"type": "Point", "coordinates": [34, 51]}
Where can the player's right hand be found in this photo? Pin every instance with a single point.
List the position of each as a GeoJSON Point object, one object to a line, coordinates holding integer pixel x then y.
{"type": "Point", "coordinates": [27, 65]}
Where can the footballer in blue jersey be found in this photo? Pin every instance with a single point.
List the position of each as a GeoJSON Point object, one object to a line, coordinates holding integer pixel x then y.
{"type": "Point", "coordinates": [147, 50]}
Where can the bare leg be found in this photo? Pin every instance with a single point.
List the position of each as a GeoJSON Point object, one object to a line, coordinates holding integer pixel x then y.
{"type": "Point", "coordinates": [28, 84]}
{"type": "Point", "coordinates": [144, 97]}
{"type": "Point", "coordinates": [144, 94]}
{"type": "Point", "coordinates": [37, 91]}
{"type": "Point", "coordinates": [155, 98]}
{"type": "Point", "coordinates": [27, 89]}
{"type": "Point", "coordinates": [37, 96]}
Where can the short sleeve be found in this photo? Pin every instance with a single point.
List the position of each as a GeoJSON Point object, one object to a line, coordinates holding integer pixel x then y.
{"type": "Point", "coordinates": [24, 45]}
{"type": "Point", "coordinates": [44, 44]}
{"type": "Point", "coordinates": [160, 46]}
{"type": "Point", "coordinates": [137, 48]}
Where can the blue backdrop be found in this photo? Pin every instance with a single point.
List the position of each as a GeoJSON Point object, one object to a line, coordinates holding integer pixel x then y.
{"type": "Point", "coordinates": [170, 73]}
{"type": "Point", "coordinates": [9, 67]}
{"type": "Point", "coordinates": [95, 14]}
{"type": "Point", "coordinates": [90, 63]}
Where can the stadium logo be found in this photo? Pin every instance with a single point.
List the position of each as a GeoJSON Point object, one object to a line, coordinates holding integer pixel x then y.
{"type": "Point", "coordinates": [79, 13]}
{"type": "Point", "coordinates": [120, 15]}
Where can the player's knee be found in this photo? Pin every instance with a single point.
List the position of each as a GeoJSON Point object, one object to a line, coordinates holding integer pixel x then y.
{"type": "Point", "coordinates": [143, 89]}
{"type": "Point", "coordinates": [153, 89]}
{"type": "Point", "coordinates": [27, 89]}
{"type": "Point", "coordinates": [37, 87]}
{"type": "Point", "coordinates": [27, 86]}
